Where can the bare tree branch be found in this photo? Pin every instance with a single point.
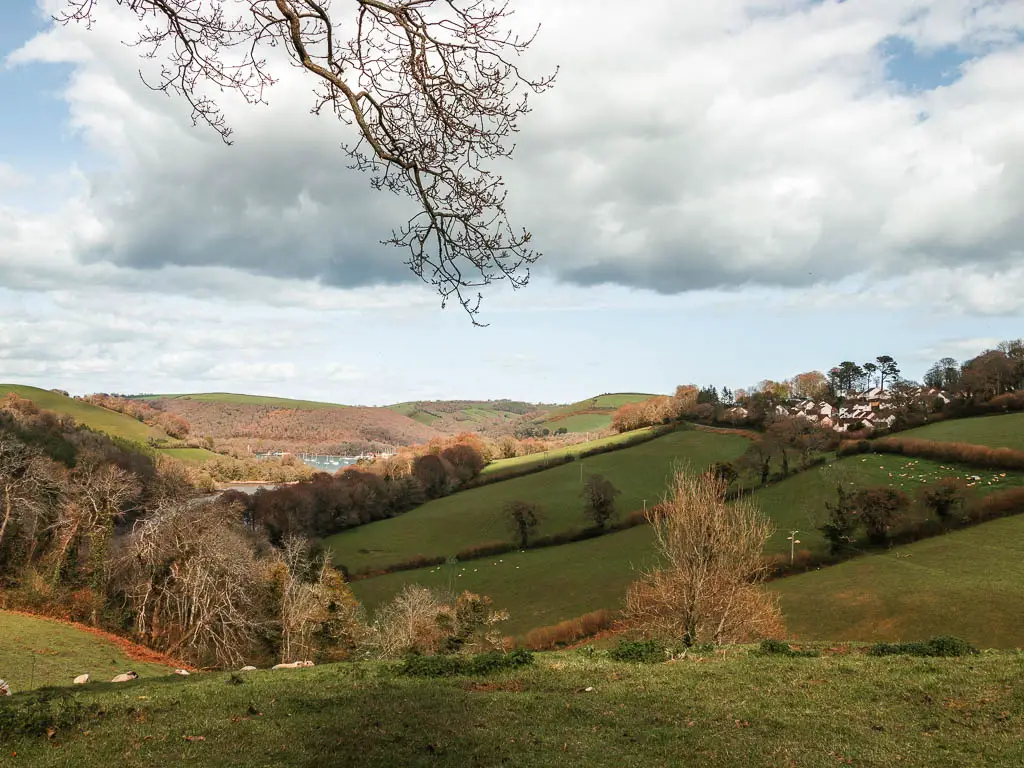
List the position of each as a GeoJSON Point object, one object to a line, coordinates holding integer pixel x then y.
{"type": "Point", "coordinates": [431, 86]}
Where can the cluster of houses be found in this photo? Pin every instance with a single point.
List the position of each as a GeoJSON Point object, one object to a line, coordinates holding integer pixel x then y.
{"type": "Point", "coordinates": [871, 409]}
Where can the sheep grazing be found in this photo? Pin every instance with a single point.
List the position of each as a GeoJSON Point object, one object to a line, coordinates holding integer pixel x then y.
{"type": "Point", "coordinates": [5, 689]}
{"type": "Point", "coordinates": [81, 680]}
{"type": "Point", "coordinates": [182, 672]}
{"type": "Point", "coordinates": [247, 669]}
{"type": "Point", "coordinates": [125, 677]}
{"type": "Point", "coordinates": [293, 665]}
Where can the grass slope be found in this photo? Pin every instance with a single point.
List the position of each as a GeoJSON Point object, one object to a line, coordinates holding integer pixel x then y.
{"type": "Point", "coordinates": [592, 414]}
{"type": "Point", "coordinates": [969, 583]}
{"type": "Point", "coordinates": [190, 455]}
{"type": "Point", "coordinates": [730, 710]}
{"type": "Point", "coordinates": [445, 526]}
{"type": "Point", "coordinates": [92, 416]}
{"type": "Point", "coordinates": [534, 459]}
{"type": "Point", "coordinates": [539, 587]}
{"type": "Point", "coordinates": [545, 586]}
{"type": "Point", "coordinates": [1004, 431]}
{"type": "Point", "coordinates": [36, 652]}
{"type": "Point", "coordinates": [230, 397]}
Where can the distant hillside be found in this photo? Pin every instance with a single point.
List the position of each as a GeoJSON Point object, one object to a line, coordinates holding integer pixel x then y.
{"type": "Point", "coordinates": [242, 422]}
{"type": "Point", "coordinates": [493, 417]}
{"type": "Point", "coordinates": [592, 414]}
{"type": "Point", "coordinates": [102, 420]}
{"type": "Point", "coordinates": [230, 397]}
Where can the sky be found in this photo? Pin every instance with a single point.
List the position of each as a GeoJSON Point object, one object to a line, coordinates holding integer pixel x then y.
{"type": "Point", "coordinates": [722, 192]}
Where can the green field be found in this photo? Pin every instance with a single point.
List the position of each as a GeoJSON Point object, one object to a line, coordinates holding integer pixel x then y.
{"type": "Point", "coordinates": [36, 652]}
{"type": "Point", "coordinates": [545, 586]}
{"type": "Point", "coordinates": [536, 459]}
{"type": "Point", "coordinates": [92, 416]}
{"type": "Point", "coordinates": [538, 587]}
{"type": "Point", "coordinates": [1004, 431]}
{"type": "Point", "coordinates": [799, 502]}
{"type": "Point", "coordinates": [969, 583]}
{"type": "Point", "coordinates": [734, 709]}
{"type": "Point", "coordinates": [230, 397]}
{"type": "Point", "coordinates": [191, 455]}
{"type": "Point", "coordinates": [447, 525]}
{"type": "Point", "coordinates": [592, 414]}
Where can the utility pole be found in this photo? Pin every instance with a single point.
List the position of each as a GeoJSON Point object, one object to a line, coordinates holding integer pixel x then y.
{"type": "Point", "coordinates": [793, 541]}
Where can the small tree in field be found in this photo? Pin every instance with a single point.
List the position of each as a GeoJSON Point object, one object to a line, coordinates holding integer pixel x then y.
{"type": "Point", "coordinates": [522, 518]}
{"type": "Point", "coordinates": [599, 500]}
{"type": "Point", "coordinates": [945, 497]}
{"type": "Point", "coordinates": [842, 522]}
{"type": "Point", "coordinates": [709, 588]}
{"type": "Point", "coordinates": [881, 509]}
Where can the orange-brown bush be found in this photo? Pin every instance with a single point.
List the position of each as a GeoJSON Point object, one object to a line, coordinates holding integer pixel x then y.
{"type": "Point", "coordinates": [568, 631]}
{"type": "Point", "coordinates": [709, 589]}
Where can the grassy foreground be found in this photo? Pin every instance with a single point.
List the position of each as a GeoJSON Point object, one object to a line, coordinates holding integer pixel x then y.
{"type": "Point", "coordinates": [732, 709]}
{"type": "Point", "coordinates": [36, 652]}
{"type": "Point", "coordinates": [1003, 431]}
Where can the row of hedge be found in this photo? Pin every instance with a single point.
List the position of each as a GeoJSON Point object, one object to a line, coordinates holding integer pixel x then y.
{"type": "Point", "coordinates": [964, 453]}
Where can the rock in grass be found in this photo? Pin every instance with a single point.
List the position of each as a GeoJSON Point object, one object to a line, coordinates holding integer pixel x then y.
{"type": "Point", "coordinates": [5, 689]}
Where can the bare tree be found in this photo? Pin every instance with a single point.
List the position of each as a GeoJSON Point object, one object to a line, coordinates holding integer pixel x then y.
{"type": "Point", "coordinates": [190, 575]}
{"type": "Point", "coordinates": [431, 86]}
{"type": "Point", "coordinates": [317, 610]}
{"type": "Point", "coordinates": [709, 585]}
{"type": "Point", "coordinates": [22, 477]}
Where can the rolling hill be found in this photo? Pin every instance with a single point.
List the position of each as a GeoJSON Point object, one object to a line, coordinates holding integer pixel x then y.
{"type": "Point", "coordinates": [468, 518]}
{"type": "Point", "coordinates": [100, 419]}
{"type": "Point", "coordinates": [488, 417]}
{"type": "Point", "coordinates": [591, 415]}
{"type": "Point", "coordinates": [545, 586]}
{"type": "Point", "coordinates": [230, 397]}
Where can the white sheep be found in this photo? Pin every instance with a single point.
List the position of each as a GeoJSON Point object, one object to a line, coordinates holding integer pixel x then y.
{"type": "Point", "coordinates": [293, 665]}
{"type": "Point", "coordinates": [5, 689]}
{"type": "Point", "coordinates": [247, 669]}
{"type": "Point", "coordinates": [125, 677]}
{"type": "Point", "coordinates": [182, 672]}
{"type": "Point", "coordinates": [81, 680]}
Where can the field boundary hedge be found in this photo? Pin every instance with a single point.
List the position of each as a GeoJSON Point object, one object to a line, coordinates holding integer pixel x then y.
{"type": "Point", "coordinates": [963, 453]}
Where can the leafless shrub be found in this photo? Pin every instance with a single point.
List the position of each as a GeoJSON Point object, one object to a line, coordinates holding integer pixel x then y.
{"type": "Point", "coordinates": [417, 620]}
{"type": "Point", "coordinates": [709, 586]}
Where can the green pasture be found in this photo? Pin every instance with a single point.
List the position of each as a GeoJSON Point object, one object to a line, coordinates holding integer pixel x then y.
{"type": "Point", "coordinates": [545, 586]}
{"type": "Point", "coordinates": [799, 501]}
{"type": "Point", "coordinates": [968, 583]}
{"type": "Point", "coordinates": [1003, 431]}
{"type": "Point", "coordinates": [579, 417]}
{"type": "Point", "coordinates": [36, 652]}
{"type": "Point", "coordinates": [446, 526]}
{"type": "Point", "coordinates": [537, 459]}
{"type": "Point", "coordinates": [538, 587]}
{"type": "Point", "coordinates": [191, 455]}
{"type": "Point", "coordinates": [731, 709]}
{"type": "Point", "coordinates": [100, 419]}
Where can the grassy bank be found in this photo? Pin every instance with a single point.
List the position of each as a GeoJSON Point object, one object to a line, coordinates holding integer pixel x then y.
{"type": "Point", "coordinates": [36, 652]}
{"type": "Point", "coordinates": [1003, 431]}
{"type": "Point", "coordinates": [729, 710]}
{"type": "Point", "coordinates": [100, 419]}
{"type": "Point", "coordinates": [969, 583]}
